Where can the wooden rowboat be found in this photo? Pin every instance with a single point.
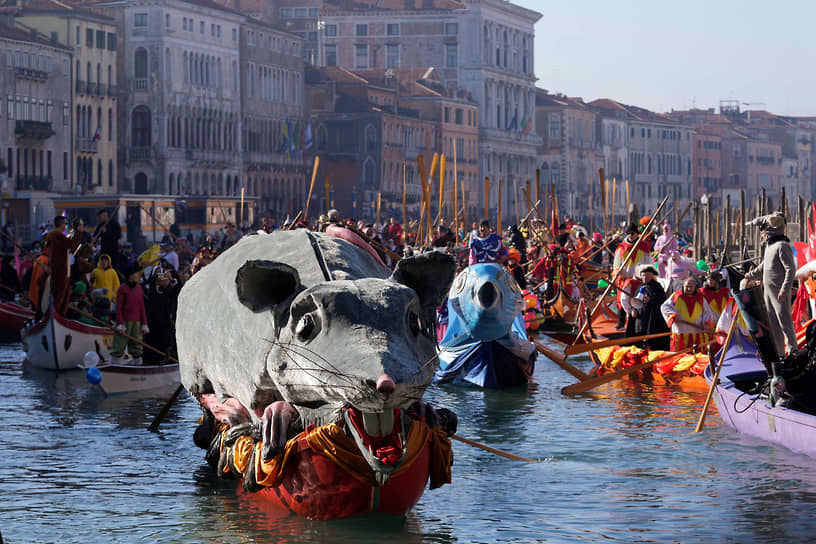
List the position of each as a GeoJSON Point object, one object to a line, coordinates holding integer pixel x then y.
{"type": "Point", "coordinates": [743, 407]}
{"type": "Point", "coordinates": [121, 378]}
{"type": "Point", "coordinates": [58, 343]}
{"type": "Point", "coordinates": [13, 318]}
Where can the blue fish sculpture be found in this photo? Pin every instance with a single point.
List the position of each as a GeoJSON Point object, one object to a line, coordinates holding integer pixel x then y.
{"type": "Point", "coordinates": [485, 343]}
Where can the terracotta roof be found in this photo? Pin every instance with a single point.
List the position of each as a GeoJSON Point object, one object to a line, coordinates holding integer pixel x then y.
{"type": "Point", "coordinates": [392, 5]}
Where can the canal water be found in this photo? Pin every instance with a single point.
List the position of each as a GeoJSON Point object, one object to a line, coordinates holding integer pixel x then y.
{"type": "Point", "coordinates": [621, 464]}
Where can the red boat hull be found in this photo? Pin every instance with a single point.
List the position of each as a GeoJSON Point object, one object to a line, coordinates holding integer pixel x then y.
{"type": "Point", "coordinates": [320, 489]}
{"type": "Point", "coordinates": [13, 317]}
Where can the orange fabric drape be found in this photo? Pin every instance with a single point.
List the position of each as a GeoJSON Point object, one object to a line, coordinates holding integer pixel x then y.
{"type": "Point", "coordinates": [332, 442]}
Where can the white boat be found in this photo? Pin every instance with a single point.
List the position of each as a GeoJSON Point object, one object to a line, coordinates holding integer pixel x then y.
{"type": "Point", "coordinates": [57, 343]}
{"type": "Point", "coordinates": [127, 378]}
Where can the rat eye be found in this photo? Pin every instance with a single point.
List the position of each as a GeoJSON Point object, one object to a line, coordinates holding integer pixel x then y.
{"type": "Point", "coordinates": [305, 327]}
{"type": "Point", "coordinates": [414, 323]}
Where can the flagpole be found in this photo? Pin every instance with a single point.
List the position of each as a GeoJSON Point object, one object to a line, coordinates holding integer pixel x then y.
{"type": "Point", "coordinates": [455, 195]}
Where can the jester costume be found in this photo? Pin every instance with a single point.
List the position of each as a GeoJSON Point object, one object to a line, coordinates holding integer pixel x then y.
{"type": "Point", "coordinates": [688, 316]}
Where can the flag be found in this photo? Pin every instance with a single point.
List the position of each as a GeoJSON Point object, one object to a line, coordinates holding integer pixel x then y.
{"type": "Point", "coordinates": [98, 134]}
{"type": "Point", "coordinates": [309, 135]}
{"type": "Point", "coordinates": [529, 125]}
{"type": "Point", "coordinates": [513, 122]}
{"type": "Point", "coordinates": [523, 123]}
{"type": "Point", "coordinates": [293, 138]}
{"type": "Point", "coordinates": [286, 140]}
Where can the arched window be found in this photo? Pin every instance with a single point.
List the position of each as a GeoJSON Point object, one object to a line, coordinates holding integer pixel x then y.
{"type": "Point", "coordinates": [140, 63]}
{"type": "Point", "coordinates": [140, 121]}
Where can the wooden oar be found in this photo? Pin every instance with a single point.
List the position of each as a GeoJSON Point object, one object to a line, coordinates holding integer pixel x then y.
{"type": "Point", "coordinates": [716, 377]}
{"type": "Point", "coordinates": [590, 346]}
{"type": "Point", "coordinates": [592, 383]}
{"type": "Point", "coordinates": [498, 452]}
{"type": "Point", "coordinates": [560, 360]}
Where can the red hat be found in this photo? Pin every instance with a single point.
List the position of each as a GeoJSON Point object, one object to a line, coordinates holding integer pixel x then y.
{"type": "Point", "coordinates": [552, 246]}
{"type": "Point", "coordinates": [597, 237]}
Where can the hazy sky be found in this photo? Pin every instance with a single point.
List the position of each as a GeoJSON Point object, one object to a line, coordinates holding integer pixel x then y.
{"type": "Point", "coordinates": [664, 55]}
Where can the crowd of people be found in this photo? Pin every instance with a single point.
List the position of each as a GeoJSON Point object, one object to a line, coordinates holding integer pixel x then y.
{"type": "Point", "coordinates": [92, 275]}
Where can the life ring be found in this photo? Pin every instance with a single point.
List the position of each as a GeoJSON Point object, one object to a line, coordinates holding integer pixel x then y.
{"type": "Point", "coordinates": [354, 238]}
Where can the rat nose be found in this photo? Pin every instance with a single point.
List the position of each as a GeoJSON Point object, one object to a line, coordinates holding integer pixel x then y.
{"type": "Point", "coordinates": [385, 385]}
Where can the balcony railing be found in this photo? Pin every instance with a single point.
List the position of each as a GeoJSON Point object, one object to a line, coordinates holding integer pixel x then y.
{"type": "Point", "coordinates": [139, 154]}
{"type": "Point", "coordinates": [112, 90]}
{"type": "Point", "coordinates": [33, 183]}
{"type": "Point", "coordinates": [80, 86]}
{"type": "Point", "coordinates": [140, 84]}
{"type": "Point", "coordinates": [30, 73]}
{"type": "Point", "coordinates": [35, 130]}
{"type": "Point", "coordinates": [87, 145]}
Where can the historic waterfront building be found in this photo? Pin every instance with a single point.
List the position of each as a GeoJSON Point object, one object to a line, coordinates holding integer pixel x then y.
{"type": "Point", "coordinates": [93, 38]}
{"type": "Point", "coordinates": [276, 137]}
{"type": "Point", "coordinates": [484, 47]}
{"type": "Point", "coordinates": [35, 135]}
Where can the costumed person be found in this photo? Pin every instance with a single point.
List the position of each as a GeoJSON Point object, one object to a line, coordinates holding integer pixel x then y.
{"type": "Point", "coordinates": [665, 245]}
{"type": "Point", "coordinates": [646, 312]}
{"type": "Point", "coordinates": [776, 273]}
{"type": "Point", "coordinates": [108, 232]}
{"type": "Point", "coordinates": [443, 237]}
{"type": "Point", "coordinates": [679, 268]}
{"type": "Point", "coordinates": [36, 287]}
{"type": "Point", "coordinates": [515, 268]}
{"type": "Point", "coordinates": [688, 315]}
{"type": "Point", "coordinates": [131, 318]}
{"type": "Point", "coordinates": [161, 305]}
{"type": "Point", "coordinates": [518, 243]}
{"type": "Point", "coordinates": [487, 247]}
{"type": "Point", "coordinates": [60, 248]}
{"type": "Point", "coordinates": [715, 293]}
{"type": "Point", "coordinates": [105, 277]}
{"type": "Point", "coordinates": [629, 289]}
{"type": "Point", "coordinates": [640, 256]}
{"type": "Point", "coordinates": [582, 245]}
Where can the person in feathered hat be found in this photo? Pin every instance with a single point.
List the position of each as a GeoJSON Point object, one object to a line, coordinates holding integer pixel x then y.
{"type": "Point", "coordinates": [776, 273]}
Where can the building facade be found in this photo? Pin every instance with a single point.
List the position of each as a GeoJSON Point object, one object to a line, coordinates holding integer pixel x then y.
{"type": "Point", "coordinates": [93, 38]}
{"type": "Point", "coordinates": [570, 153]}
{"type": "Point", "coordinates": [274, 128]}
{"type": "Point", "coordinates": [484, 47]}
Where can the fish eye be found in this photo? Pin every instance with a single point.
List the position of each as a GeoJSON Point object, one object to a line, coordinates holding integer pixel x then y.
{"type": "Point", "coordinates": [414, 323]}
{"type": "Point", "coordinates": [305, 327]}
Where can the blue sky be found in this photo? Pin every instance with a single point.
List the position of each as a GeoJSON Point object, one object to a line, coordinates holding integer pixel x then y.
{"type": "Point", "coordinates": [676, 55]}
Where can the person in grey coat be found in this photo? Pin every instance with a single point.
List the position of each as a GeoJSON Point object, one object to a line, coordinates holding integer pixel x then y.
{"type": "Point", "coordinates": [777, 271]}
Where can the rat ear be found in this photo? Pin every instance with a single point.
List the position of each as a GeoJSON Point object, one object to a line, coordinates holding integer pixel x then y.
{"type": "Point", "coordinates": [262, 285]}
{"type": "Point", "coordinates": [430, 274]}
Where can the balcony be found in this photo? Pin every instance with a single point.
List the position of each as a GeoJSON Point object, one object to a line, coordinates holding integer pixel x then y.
{"type": "Point", "coordinates": [30, 73]}
{"type": "Point", "coordinates": [139, 154]}
{"type": "Point", "coordinates": [87, 145]}
{"type": "Point", "coordinates": [112, 89]}
{"type": "Point", "coordinates": [97, 89]}
{"type": "Point", "coordinates": [80, 86]}
{"type": "Point", "coordinates": [33, 183]}
{"type": "Point", "coordinates": [33, 130]}
{"type": "Point", "coordinates": [140, 84]}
